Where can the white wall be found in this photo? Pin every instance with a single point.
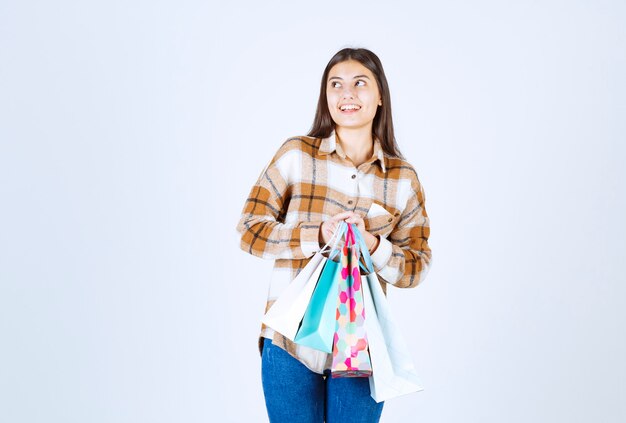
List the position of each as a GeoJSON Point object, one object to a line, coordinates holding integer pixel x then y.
{"type": "Point", "coordinates": [132, 132]}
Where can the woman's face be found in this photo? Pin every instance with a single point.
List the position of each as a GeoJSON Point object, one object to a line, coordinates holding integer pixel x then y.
{"type": "Point", "coordinates": [352, 94]}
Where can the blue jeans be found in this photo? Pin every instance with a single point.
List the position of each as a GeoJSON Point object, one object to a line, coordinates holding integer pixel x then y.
{"type": "Point", "coordinates": [295, 394]}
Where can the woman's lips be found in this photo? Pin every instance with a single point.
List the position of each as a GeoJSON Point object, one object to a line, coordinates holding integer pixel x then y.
{"type": "Point", "coordinates": [349, 108]}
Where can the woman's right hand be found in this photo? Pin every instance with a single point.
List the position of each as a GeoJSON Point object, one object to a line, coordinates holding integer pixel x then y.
{"type": "Point", "coordinates": [329, 226]}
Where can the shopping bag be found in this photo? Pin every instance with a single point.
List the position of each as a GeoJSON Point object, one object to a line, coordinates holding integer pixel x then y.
{"type": "Point", "coordinates": [318, 324]}
{"type": "Point", "coordinates": [393, 373]}
{"type": "Point", "coordinates": [286, 313]}
{"type": "Point", "coordinates": [350, 347]}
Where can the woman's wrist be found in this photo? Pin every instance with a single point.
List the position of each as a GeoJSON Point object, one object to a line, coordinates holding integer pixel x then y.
{"type": "Point", "coordinates": [372, 243]}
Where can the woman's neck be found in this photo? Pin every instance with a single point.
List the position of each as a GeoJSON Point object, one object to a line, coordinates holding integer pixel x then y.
{"type": "Point", "coordinates": [356, 143]}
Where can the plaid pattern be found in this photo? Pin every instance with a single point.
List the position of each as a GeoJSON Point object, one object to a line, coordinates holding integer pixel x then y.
{"type": "Point", "coordinates": [308, 181]}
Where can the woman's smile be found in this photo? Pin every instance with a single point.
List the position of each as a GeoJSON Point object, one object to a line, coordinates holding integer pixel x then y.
{"type": "Point", "coordinates": [349, 108]}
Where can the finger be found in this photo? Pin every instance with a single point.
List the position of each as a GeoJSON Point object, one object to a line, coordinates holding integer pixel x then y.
{"type": "Point", "coordinates": [330, 223]}
{"type": "Point", "coordinates": [355, 218]}
{"type": "Point", "coordinates": [343, 215]}
{"type": "Point", "coordinates": [332, 226]}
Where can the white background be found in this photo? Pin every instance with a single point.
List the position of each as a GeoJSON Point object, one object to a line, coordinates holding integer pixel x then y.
{"type": "Point", "coordinates": [132, 131]}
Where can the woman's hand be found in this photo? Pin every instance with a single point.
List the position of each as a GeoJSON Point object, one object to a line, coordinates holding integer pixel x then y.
{"type": "Point", "coordinates": [329, 227]}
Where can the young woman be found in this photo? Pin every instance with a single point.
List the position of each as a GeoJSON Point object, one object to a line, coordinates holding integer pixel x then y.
{"type": "Point", "coordinates": [347, 168]}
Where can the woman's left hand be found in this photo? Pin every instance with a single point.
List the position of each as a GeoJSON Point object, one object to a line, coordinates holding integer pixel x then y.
{"type": "Point", "coordinates": [370, 240]}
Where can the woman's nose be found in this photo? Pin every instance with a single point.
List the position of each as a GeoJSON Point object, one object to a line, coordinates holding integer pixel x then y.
{"type": "Point", "coordinates": [348, 93]}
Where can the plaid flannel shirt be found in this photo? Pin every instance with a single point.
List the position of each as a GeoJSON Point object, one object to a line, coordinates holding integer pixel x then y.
{"type": "Point", "coordinates": [308, 181]}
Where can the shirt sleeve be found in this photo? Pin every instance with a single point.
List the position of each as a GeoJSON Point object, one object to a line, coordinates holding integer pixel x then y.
{"type": "Point", "coordinates": [403, 259]}
{"type": "Point", "coordinates": [261, 226]}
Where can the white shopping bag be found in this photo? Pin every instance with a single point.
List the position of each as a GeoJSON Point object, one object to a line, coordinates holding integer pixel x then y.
{"type": "Point", "coordinates": [285, 315]}
{"type": "Point", "coordinates": [287, 311]}
{"type": "Point", "coordinates": [393, 373]}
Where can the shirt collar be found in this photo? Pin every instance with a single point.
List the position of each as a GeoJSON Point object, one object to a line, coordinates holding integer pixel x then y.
{"type": "Point", "coordinates": [330, 144]}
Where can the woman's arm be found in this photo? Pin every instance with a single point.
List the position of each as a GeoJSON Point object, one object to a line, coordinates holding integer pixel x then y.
{"type": "Point", "coordinates": [404, 258]}
{"type": "Point", "coordinates": [262, 228]}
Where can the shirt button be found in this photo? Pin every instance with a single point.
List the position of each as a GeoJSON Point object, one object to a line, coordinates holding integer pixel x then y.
{"type": "Point", "coordinates": [353, 176]}
{"type": "Point", "coordinates": [349, 201]}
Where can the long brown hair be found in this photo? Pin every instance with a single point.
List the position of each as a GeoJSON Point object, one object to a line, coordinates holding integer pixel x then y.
{"type": "Point", "coordinates": [382, 127]}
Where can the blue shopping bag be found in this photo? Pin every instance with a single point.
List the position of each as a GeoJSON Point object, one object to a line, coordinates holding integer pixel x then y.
{"type": "Point", "coordinates": [318, 324]}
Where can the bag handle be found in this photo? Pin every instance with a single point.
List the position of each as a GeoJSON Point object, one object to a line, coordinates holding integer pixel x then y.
{"type": "Point", "coordinates": [335, 239]}
{"type": "Point", "coordinates": [360, 242]}
{"type": "Point", "coordinates": [353, 237]}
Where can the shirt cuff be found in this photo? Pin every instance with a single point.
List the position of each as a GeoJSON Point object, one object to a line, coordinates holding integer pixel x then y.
{"type": "Point", "coordinates": [381, 256]}
{"type": "Point", "coordinates": [309, 238]}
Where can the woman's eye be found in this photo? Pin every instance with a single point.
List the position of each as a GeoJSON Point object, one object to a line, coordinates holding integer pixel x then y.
{"type": "Point", "coordinates": [335, 84]}
{"type": "Point", "coordinates": [360, 83]}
